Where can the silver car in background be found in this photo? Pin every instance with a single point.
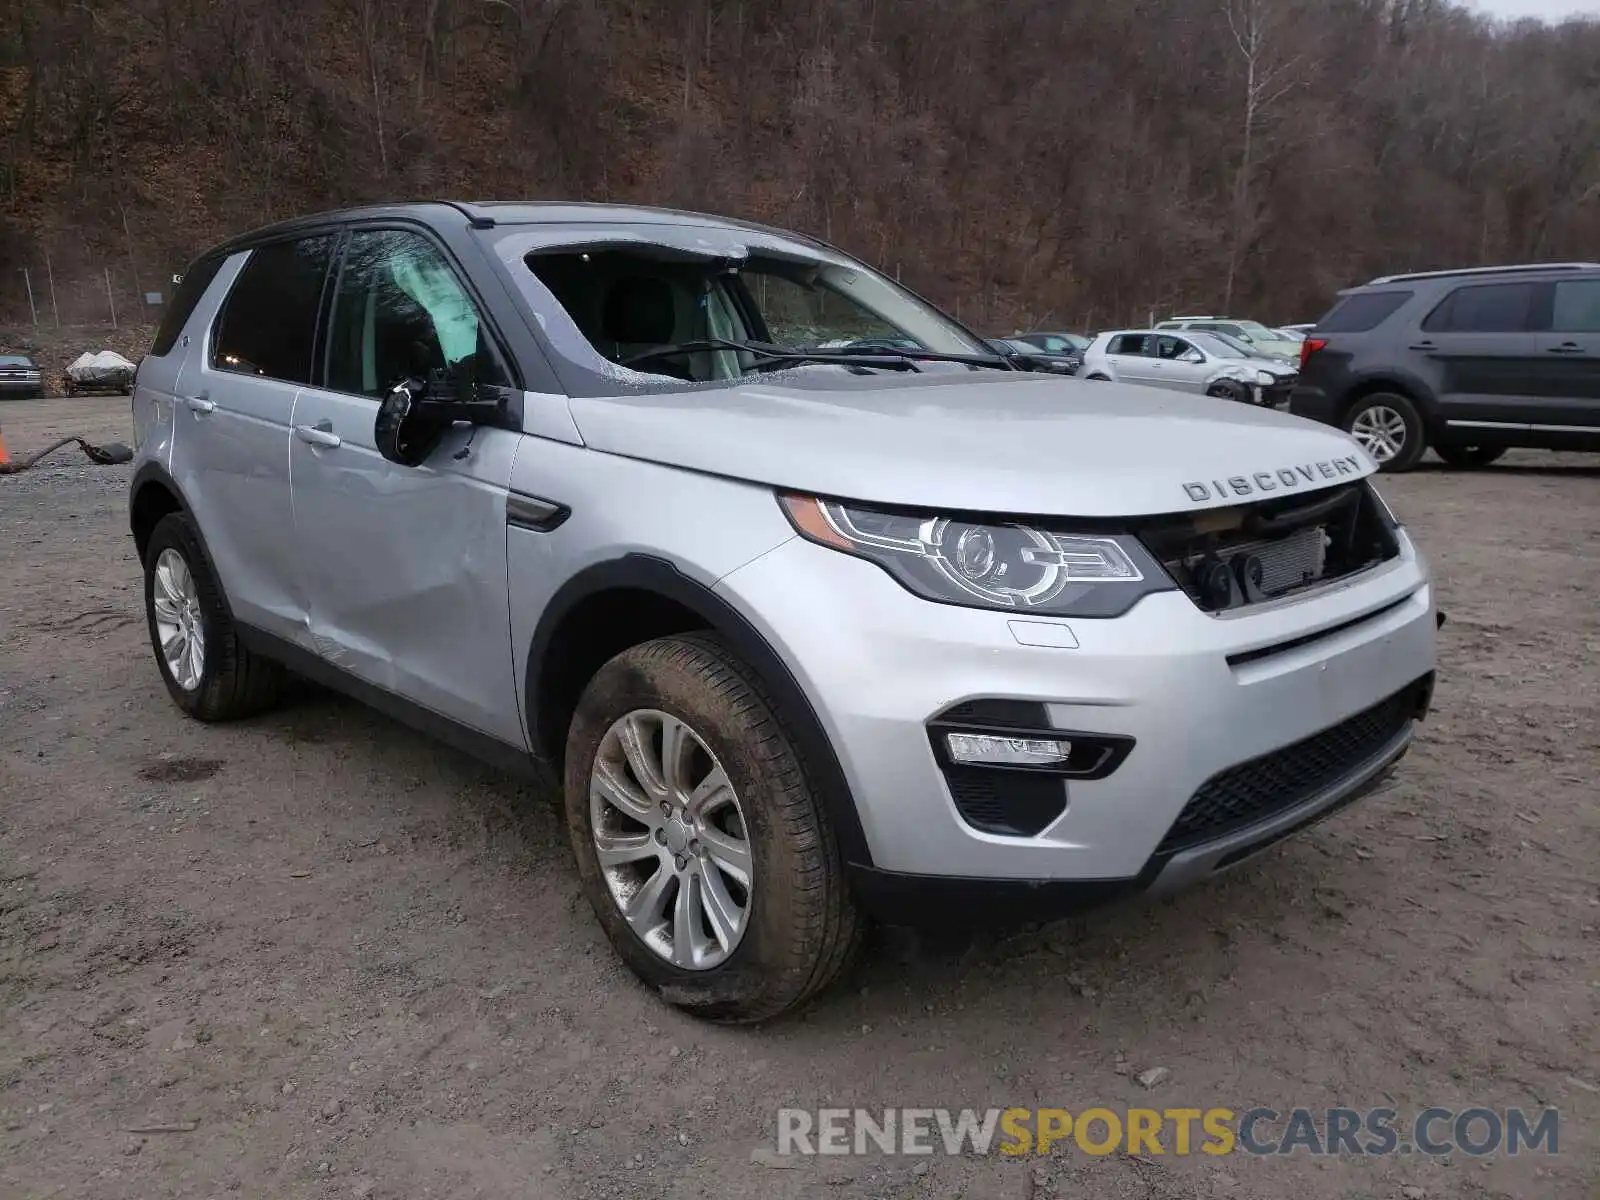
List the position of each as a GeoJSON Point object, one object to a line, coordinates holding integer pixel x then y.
{"type": "Point", "coordinates": [1251, 333]}
{"type": "Point", "coordinates": [1205, 363]}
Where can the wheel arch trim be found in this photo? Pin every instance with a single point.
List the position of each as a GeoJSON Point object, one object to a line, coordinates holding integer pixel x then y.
{"type": "Point", "coordinates": [648, 573]}
{"type": "Point", "coordinates": [1401, 384]}
{"type": "Point", "coordinates": [153, 473]}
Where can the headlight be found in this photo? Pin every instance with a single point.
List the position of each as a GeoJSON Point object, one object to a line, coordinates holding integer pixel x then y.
{"type": "Point", "coordinates": [1266, 378]}
{"type": "Point", "coordinates": [987, 564]}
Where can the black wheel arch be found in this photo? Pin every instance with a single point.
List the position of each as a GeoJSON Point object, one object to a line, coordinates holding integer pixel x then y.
{"type": "Point", "coordinates": [1411, 388]}
{"type": "Point", "coordinates": [557, 670]}
{"type": "Point", "coordinates": [152, 495]}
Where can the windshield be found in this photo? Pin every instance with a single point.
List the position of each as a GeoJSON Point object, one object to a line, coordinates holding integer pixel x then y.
{"type": "Point", "coordinates": [628, 301]}
{"type": "Point", "coordinates": [1229, 347]}
{"type": "Point", "coordinates": [1057, 343]}
{"type": "Point", "coordinates": [1258, 331]}
{"type": "Point", "coordinates": [15, 360]}
{"type": "Point", "coordinates": [1219, 345]}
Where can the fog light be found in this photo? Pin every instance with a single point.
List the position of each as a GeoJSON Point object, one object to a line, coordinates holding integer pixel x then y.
{"type": "Point", "coordinates": [990, 750]}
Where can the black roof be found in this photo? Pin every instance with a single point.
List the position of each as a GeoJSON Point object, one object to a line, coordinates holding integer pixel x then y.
{"type": "Point", "coordinates": [499, 213]}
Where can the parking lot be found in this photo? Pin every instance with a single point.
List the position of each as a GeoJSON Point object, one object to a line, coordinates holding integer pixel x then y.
{"type": "Point", "coordinates": [316, 955]}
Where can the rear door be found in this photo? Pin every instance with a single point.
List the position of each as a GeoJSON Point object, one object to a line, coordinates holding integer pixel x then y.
{"type": "Point", "coordinates": [235, 400]}
{"type": "Point", "coordinates": [405, 567]}
{"type": "Point", "coordinates": [1568, 363]}
{"type": "Point", "coordinates": [1482, 345]}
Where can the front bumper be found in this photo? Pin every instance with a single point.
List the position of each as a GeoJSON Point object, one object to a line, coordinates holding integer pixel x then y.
{"type": "Point", "coordinates": [1276, 395]}
{"type": "Point", "coordinates": [878, 664]}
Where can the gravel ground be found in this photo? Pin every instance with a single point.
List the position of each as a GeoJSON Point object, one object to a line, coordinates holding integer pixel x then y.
{"type": "Point", "coordinates": [333, 959]}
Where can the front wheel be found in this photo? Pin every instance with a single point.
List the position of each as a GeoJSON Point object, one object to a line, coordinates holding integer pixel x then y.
{"type": "Point", "coordinates": [1469, 456]}
{"type": "Point", "coordinates": [1389, 428]}
{"type": "Point", "coordinates": [700, 841]}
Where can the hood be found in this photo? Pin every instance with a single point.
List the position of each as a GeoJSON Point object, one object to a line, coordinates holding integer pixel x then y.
{"type": "Point", "coordinates": [1289, 351]}
{"type": "Point", "coordinates": [1275, 366]}
{"type": "Point", "coordinates": [979, 442]}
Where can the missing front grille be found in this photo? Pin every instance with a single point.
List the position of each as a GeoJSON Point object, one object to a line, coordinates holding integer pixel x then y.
{"type": "Point", "coordinates": [1230, 558]}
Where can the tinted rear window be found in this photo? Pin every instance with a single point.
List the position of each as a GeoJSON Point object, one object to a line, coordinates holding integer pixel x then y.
{"type": "Point", "coordinates": [190, 288]}
{"type": "Point", "coordinates": [268, 323]}
{"type": "Point", "coordinates": [1484, 308]}
{"type": "Point", "coordinates": [1361, 312]}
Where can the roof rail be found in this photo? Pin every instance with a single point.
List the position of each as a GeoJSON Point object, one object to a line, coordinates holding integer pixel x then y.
{"type": "Point", "coordinates": [475, 216]}
{"type": "Point", "coordinates": [1510, 269]}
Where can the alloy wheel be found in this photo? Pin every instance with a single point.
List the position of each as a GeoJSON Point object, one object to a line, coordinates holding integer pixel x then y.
{"type": "Point", "coordinates": [1381, 432]}
{"type": "Point", "coordinates": [671, 839]}
{"type": "Point", "coordinates": [180, 626]}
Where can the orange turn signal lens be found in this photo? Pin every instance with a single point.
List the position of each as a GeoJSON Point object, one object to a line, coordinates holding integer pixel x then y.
{"type": "Point", "coordinates": [806, 515]}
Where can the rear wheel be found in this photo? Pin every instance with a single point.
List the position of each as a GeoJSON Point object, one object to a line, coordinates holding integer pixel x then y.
{"type": "Point", "coordinates": [208, 671]}
{"type": "Point", "coordinates": [700, 842]}
{"type": "Point", "coordinates": [1389, 428]}
{"type": "Point", "coordinates": [1469, 456]}
{"type": "Point", "coordinates": [1098, 378]}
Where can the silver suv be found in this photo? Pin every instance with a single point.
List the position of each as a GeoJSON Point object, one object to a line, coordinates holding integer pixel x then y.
{"type": "Point", "coordinates": [800, 633]}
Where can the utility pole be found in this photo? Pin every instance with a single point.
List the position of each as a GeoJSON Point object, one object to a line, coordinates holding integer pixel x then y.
{"type": "Point", "coordinates": [133, 264]}
{"type": "Point", "coordinates": [51, 274]}
{"type": "Point", "coordinates": [112, 300]}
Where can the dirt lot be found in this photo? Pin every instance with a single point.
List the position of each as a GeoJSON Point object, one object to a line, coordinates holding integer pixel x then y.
{"type": "Point", "coordinates": [337, 960]}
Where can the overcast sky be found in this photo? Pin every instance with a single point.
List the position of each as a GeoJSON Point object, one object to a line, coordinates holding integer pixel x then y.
{"type": "Point", "coordinates": [1550, 10]}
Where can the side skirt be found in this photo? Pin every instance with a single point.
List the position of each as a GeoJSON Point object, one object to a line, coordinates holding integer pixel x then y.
{"type": "Point", "coordinates": [514, 760]}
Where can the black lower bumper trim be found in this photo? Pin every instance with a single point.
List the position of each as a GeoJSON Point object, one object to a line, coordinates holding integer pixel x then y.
{"type": "Point", "coordinates": [894, 898]}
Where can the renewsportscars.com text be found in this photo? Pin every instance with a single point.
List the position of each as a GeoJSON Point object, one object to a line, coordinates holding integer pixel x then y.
{"type": "Point", "coordinates": [1170, 1131]}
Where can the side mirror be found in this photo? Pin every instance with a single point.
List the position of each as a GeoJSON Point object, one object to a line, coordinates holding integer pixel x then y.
{"type": "Point", "coordinates": [400, 435]}
{"type": "Point", "coordinates": [415, 415]}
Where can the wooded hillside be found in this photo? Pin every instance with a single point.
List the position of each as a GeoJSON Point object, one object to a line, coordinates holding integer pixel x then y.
{"type": "Point", "coordinates": [1030, 161]}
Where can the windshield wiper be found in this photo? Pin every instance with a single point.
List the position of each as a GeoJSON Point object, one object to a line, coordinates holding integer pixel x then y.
{"type": "Point", "coordinates": [997, 361]}
{"type": "Point", "coordinates": [868, 356]}
{"type": "Point", "coordinates": [776, 356]}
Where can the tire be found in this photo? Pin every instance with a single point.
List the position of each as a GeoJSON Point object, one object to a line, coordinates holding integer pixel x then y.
{"type": "Point", "coordinates": [799, 924]}
{"type": "Point", "coordinates": [1395, 431]}
{"type": "Point", "coordinates": [1469, 456]}
{"type": "Point", "coordinates": [1224, 390]}
{"type": "Point", "coordinates": [232, 682]}
{"type": "Point", "coordinates": [1098, 378]}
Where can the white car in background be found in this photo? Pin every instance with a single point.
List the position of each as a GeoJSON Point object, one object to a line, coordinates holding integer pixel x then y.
{"type": "Point", "coordinates": [1189, 362]}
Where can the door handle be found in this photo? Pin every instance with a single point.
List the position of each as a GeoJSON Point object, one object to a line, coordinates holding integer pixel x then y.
{"type": "Point", "coordinates": [1566, 348]}
{"type": "Point", "coordinates": [1424, 346]}
{"type": "Point", "coordinates": [320, 434]}
{"type": "Point", "coordinates": [201, 404]}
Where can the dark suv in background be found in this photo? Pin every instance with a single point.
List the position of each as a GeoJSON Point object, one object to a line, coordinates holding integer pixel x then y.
{"type": "Point", "coordinates": [1469, 362]}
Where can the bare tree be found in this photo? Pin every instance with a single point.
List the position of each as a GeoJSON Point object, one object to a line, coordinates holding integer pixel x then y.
{"type": "Point", "coordinates": [1270, 74]}
{"type": "Point", "coordinates": [1018, 157]}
